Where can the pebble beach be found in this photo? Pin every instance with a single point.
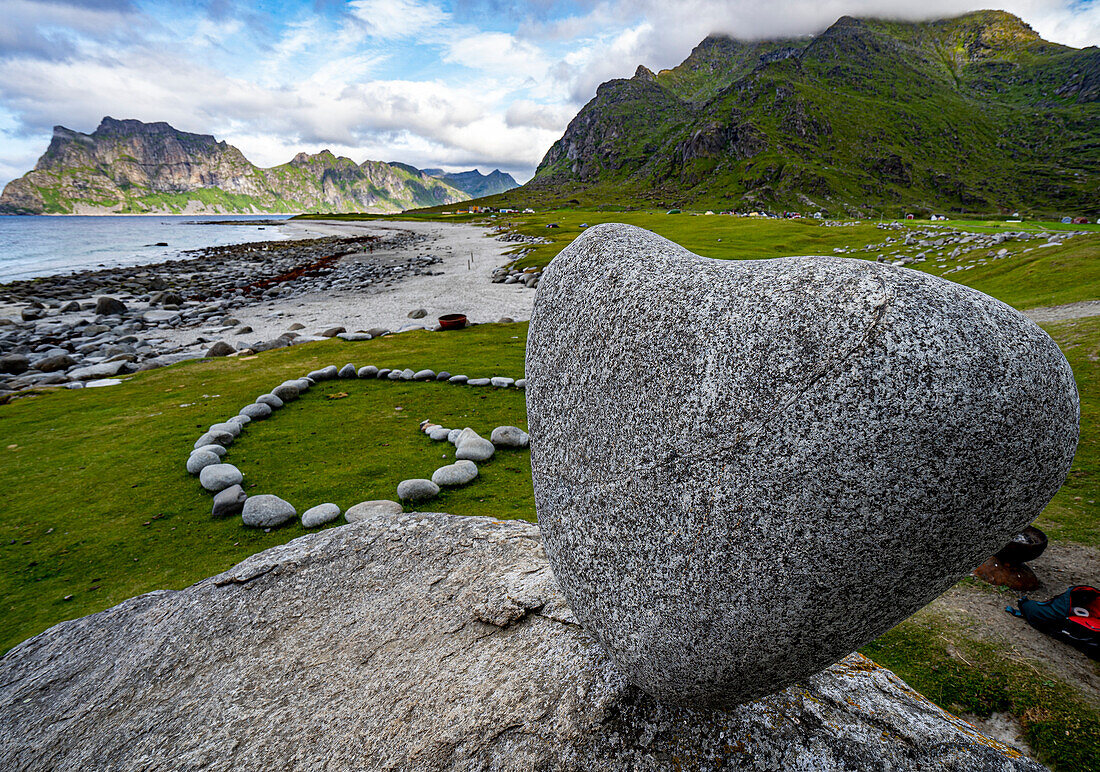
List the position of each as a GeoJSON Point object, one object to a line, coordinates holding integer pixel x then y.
{"type": "Point", "coordinates": [325, 278]}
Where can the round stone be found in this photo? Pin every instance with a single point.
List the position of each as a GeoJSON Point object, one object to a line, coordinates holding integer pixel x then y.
{"type": "Point", "coordinates": [475, 449]}
{"type": "Point", "coordinates": [479, 382]}
{"type": "Point", "coordinates": [325, 373]}
{"type": "Point", "coordinates": [393, 375]}
{"type": "Point", "coordinates": [465, 434]}
{"type": "Point", "coordinates": [521, 383]}
{"type": "Point", "coordinates": [501, 382]}
{"type": "Point", "coordinates": [229, 501]}
{"type": "Point", "coordinates": [225, 439]}
{"type": "Point", "coordinates": [458, 379]}
{"type": "Point", "coordinates": [442, 375]}
{"type": "Point", "coordinates": [407, 374]}
{"type": "Point", "coordinates": [417, 490]}
{"type": "Point", "coordinates": [370, 371]}
{"type": "Point", "coordinates": [458, 473]}
{"type": "Point", "coordinates": [303, 384]}
{"type": "Point", "coordinates": [424, 375]}
{"type": "Point", "coordinates": [270, 400]}
{"type": "Point", "coordinates": [369, 509]}
{"type": "Point", "coordinates": [218, 477]}
{"type": "Point", "coordinates": [509, 437]}
{"type": "Point", "coordinates": [439, 434]}
{"type": "Point", "coordinates": [217, 450]}
{"type": "Point", "coordinates": [201, 459]}
{"type": "Point", "coordinates": [347, 371]}
{"type": "Point", "coordinates": [319, 515]}
{"type": "Point", "coordinates": [256, 411]}
{"type": "Point", "coordinates": [383, 373]}
{"type": "Point", "coordinates": [240, 420]}
{"type": "Point", "coordinates": [843, 441]}
{"type": "Point", "coordinates": [234, 429]}
{"type": "Point", "coordinates": [286, 391]}
{"type": "Point", "coordinates": [453, 435]}
{"type": "Point", "coordinates": [267, 511]}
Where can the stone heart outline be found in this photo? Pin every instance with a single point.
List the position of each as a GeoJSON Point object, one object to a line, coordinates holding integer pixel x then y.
{"type": "Point", "coordinates": [745, 470]}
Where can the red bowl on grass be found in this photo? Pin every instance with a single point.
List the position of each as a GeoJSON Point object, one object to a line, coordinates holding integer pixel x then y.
{"type": "Point", "coordinates": [452, 321]}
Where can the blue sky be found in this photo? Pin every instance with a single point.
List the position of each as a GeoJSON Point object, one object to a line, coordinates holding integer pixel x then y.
{"type": "Point", "coordinates": [457, 84]}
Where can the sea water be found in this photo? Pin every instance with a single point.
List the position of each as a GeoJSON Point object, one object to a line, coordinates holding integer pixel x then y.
{"type": "Point", "coordinates": [40, 246]}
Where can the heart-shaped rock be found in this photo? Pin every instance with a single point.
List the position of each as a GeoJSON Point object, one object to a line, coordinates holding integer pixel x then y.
{"type": "Point", "coordinates": [745, 470]}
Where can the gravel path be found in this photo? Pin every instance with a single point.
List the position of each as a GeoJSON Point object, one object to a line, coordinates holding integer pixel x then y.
{"type": "Point", "coordinates": [1063, 313]}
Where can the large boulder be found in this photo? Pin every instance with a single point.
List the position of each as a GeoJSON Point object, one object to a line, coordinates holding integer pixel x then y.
{"type": "Point", "coordinates": [747, 469]}
{"type": "Point", "coordinates": [419, 642]}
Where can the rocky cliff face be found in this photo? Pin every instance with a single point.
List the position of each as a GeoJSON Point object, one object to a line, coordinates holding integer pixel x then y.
{"type": "Point", "coordinates": [134, 167]}
{"type": "Point", "coordinates": [419, 642]}
{"type": "Point", "coordinates": [972, 113]}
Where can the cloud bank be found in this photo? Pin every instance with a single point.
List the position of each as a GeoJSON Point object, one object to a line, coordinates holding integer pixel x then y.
{"type": "Point", "coordinates": [460, 84]}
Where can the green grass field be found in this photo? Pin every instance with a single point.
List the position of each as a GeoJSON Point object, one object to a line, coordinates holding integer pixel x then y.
{"type": "Point", "coordinates": [96, 505]}
{"type": "Point", "coordinates": [1042, 276]}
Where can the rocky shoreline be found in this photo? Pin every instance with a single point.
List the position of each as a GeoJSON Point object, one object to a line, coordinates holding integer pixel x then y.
{"type": "Point", "coordinates": [88, 327]}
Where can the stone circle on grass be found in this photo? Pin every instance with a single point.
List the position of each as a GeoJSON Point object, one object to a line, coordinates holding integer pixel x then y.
{"type": "Point", "coordinates": [269, 511]}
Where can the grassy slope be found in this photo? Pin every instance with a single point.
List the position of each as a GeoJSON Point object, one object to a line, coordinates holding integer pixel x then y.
{"type": "Point", "coordinates": [1043, 276]}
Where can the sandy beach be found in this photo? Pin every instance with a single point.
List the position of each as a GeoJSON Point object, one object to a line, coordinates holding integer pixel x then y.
{"type": "Point", "coordinates": [469, 254]}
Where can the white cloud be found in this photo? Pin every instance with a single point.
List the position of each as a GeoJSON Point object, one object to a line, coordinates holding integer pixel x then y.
{"type": "Point", "coordinates": [525, 113]}
{"type": "Point", "coordinates": [496, 52]}
{"type": "Point", "coordinates": [392, 19]}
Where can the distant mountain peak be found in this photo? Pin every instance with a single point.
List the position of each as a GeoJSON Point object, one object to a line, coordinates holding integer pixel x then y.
{"type": "Point", "coordinates": [128, 166]}
{"type": "Point", "coordinates": [948, 114]}
{"type": "Point", "coordinates": [474, 182]}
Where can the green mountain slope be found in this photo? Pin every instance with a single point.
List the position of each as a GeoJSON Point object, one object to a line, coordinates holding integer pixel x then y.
{"type": "Point", "coordinates": [134, 167]}
{"type": "Point", "coordinates": [974, 113]}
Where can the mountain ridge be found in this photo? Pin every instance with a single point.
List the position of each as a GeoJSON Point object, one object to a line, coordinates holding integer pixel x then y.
{"type": "Point", "coordinates": [130, 167]}
{"type": "Point", "coordinates": [971, 113]}
{"type": "Point", "coordinates": [474, 182]}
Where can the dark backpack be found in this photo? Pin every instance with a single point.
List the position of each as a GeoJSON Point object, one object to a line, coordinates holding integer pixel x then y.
{"type": "Point", "coordinates": [1055, 617]}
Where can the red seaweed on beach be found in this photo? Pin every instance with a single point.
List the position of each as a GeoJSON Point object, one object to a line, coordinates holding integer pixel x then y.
{"type": "Point", "coordinates": [315, 268]}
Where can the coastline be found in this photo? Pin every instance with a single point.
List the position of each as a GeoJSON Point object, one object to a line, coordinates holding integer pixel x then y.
{"type": "Point", "coordinates": [362, 276]}
{"type": "Point", "coordinates": [460, 283]}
